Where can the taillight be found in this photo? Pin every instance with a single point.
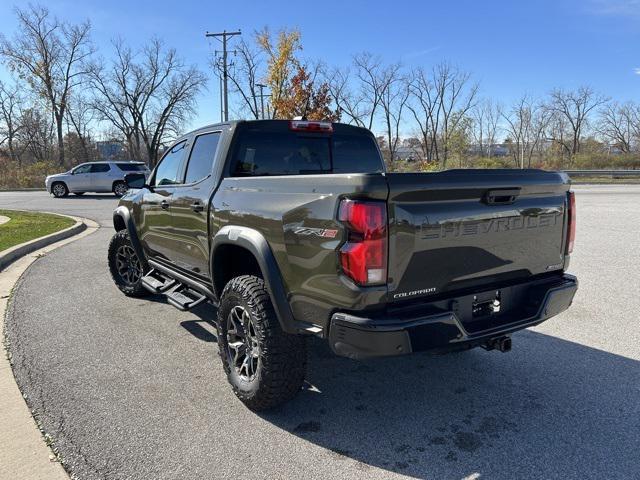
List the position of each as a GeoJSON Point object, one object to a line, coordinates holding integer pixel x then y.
{"type": "Point", "coordinates": [571, 223]}
{"type": "Point", "coordinates": [307, 126]}
{"type": "Point", "coordinates": [364, 256]}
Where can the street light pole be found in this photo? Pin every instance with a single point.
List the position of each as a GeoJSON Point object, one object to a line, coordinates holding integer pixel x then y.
{"type": "Point", "coordinates": [224, 35]}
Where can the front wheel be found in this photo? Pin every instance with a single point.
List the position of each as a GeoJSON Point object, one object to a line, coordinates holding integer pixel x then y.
{"type": "Point", "coordinates": [126, 268]}
{"type": "Point", "coordinates": [264, 365]}
{"type": "Point", "coordinates": [59, 190]}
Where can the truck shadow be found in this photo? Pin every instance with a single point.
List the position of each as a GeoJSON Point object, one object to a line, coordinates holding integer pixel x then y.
{"type": "Point", "coordinates": [549, 409]}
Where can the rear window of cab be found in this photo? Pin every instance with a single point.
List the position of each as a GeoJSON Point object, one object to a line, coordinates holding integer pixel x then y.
{"type": "Point", "coordinates": [265, 152]}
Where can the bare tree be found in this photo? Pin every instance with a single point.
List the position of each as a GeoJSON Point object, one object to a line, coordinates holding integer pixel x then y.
{"type": "Point", "coordinates": [393, 99]}
{"type": "Point", "coordinates": [526, 123]}
{"type": "Point", "coordinates": [147, 96]}
{"type": "Point", "coordinates": [245, 76]}
{"type": "Point", "coordinates": [11, 105]}
{"type": "Point", "coordinates": [619, 124]}
{"type": "Point", "coordinates": [575, 107]}
{"type": "Point", "coordinates": [80, 117]}
{"type": "Point", "coordinates": [425, 109]}
{"type": "Point", "coordinates": [373, 80]}
{"type": "Point", "coordinates": [456, 96]}
{"type": "Point", "coordinates": [486, 125]}
{"type": "Point", "coordinates": [441, 101]}
{"type": "Point", "coordinates": [50, 55]}
{"type": "Point", "coordinates": [349, 102]}
{"type": "Point", "coordinates": [37, 133]}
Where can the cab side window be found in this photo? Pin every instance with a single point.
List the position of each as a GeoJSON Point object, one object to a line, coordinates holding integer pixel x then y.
{"type": "Point", "coordinates": [202, 156]}
{"type": "Point", "coordinates": [168, 171]}
{"type": "Point", "coordinates": [86, 168]}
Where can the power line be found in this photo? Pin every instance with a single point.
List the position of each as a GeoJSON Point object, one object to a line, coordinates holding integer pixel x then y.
{"type": "Point", "coordinates": [224, 35]}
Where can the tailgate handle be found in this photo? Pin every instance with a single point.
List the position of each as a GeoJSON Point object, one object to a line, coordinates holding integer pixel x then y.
{"type": "Point", "coordinates": [501, 196]}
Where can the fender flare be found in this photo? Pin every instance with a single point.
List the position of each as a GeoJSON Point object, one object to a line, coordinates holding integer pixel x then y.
{"type": "Point", "coordinates": [123, 214]}
{"type": "Point", "coordinates": [253, 241]}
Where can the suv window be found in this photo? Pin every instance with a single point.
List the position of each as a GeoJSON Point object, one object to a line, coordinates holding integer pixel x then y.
{"type": "Point", "coordinates": [201, 158]}
{"type": "Point", "coordinates": [259, 153]}
{"type": "Point", "coordinates": [131, 167]}
{"type": "Point", "coordinates": [100, 167]}
{"type": "Point", "coordinates": [86, 168]}
{"type": "Point", "coordinates": [168, 170]}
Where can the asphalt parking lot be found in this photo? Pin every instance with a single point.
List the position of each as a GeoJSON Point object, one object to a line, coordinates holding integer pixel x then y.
{"type": "Point", "coordinates": [131, 388]}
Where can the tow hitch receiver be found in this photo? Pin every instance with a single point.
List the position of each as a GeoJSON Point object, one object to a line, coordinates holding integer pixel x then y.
{"type": "Point", "coordinates": [503, 344]}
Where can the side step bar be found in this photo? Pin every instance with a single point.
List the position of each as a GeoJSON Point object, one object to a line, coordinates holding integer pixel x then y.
{"type": "Point", "coordinates": [192, 284]}
{"type": "Point", "coordinates": [157, 283]}
{"type": "Point", "coordinates": [181, 291]}
{"type": "Point", "coordinates": [185, 299]}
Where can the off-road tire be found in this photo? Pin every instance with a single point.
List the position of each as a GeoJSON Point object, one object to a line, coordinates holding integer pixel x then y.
{"type": "Point", "coordinates": [282, 358]}
{"type": "Point", "coordinates": [119, 242]}
{"type": "Point", "coordinates": [59, 189]}
{"type": "Point", "coordinates": [117, 186]}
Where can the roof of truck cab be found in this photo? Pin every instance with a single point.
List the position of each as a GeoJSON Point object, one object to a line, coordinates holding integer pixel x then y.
{"type": "Point", "coordinates": [234, 123]}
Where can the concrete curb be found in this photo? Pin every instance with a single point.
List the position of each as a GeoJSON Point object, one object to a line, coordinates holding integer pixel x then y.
{"type": "Point", "coordinates": [24, 453]}
{"type": "Point", "coordinates": [12, 254]}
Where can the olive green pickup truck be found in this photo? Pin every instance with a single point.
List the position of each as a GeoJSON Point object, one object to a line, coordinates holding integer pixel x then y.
{"type": "Point", "coordinates": [293, 229]}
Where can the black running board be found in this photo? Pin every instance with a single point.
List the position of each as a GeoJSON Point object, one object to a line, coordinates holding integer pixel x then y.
{"type": "Point", "coordinates": [182, 292]}
{"type": "Point", "coordinates": [180, 278]}
{"type": "Point", "coordinates": [185, 299]}
{"type": "Point", "coordinates": [157, 283]}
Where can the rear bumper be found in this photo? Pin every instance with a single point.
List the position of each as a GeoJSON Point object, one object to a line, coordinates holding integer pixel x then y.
{"type": "Point", "coordinates": [449, 328]}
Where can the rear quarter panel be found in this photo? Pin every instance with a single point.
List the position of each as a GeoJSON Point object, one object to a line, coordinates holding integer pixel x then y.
{"type": "Point", "coordinates": [292, 212]}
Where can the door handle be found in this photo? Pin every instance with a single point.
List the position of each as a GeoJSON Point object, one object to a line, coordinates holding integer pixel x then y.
{"type": "Point", "coordinates": [197, 207]}
{"type": "Point", "coordinates": [164, 205]}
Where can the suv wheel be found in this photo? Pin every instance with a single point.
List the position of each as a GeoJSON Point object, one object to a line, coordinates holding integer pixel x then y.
{"type": "Point", "coordinates": [264, 365]}
{"type": "Point", "coordinates": [126, 268]}
{"type": "Point", "coordinates": [120, 188]}
{"type": "Point", "coordinates": [59, 190]}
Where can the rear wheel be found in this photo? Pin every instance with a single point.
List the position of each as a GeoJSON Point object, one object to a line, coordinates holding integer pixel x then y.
{"type": "Point", "coordinates": [120, 188]}
{"type": "Point", "coordinates": [59, 190]}
{"type": "Point", "coordinates": [126, 268]}
{"type": "Point", "coordinates": [264, 365]}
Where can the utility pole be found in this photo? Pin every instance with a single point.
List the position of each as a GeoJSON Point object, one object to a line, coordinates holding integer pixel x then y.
{"type": "Point", "coordinates": [262, 95]}
{"type": "Point", "coordinates": [225, 35]}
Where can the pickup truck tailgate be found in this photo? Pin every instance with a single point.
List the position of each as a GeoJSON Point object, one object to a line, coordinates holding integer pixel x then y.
{"type": "Point", "coordinates": [468, 228]}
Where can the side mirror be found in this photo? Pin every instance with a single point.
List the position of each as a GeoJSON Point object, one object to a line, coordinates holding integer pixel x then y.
{"type": "Point", "coordinates": [135, 180]}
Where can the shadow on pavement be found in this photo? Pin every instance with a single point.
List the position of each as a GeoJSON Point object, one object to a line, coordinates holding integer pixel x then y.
{"type": "Point", "coordinates": [549, 409]}
{"type": "Point", "coordinates": [204, 328]}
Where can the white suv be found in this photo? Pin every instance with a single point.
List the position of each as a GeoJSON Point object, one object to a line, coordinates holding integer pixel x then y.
{"type": "Point", "coordinates": [94, 177]}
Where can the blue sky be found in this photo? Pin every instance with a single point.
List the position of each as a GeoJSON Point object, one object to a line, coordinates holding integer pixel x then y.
{"type": "Point", "coordinates": [511, 47]}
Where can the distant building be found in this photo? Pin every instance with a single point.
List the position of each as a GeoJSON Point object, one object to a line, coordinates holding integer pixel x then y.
{"type": "Point", "coordinates": [496, 149]}
{"type": "Point", "coordinates": [406, 153]}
